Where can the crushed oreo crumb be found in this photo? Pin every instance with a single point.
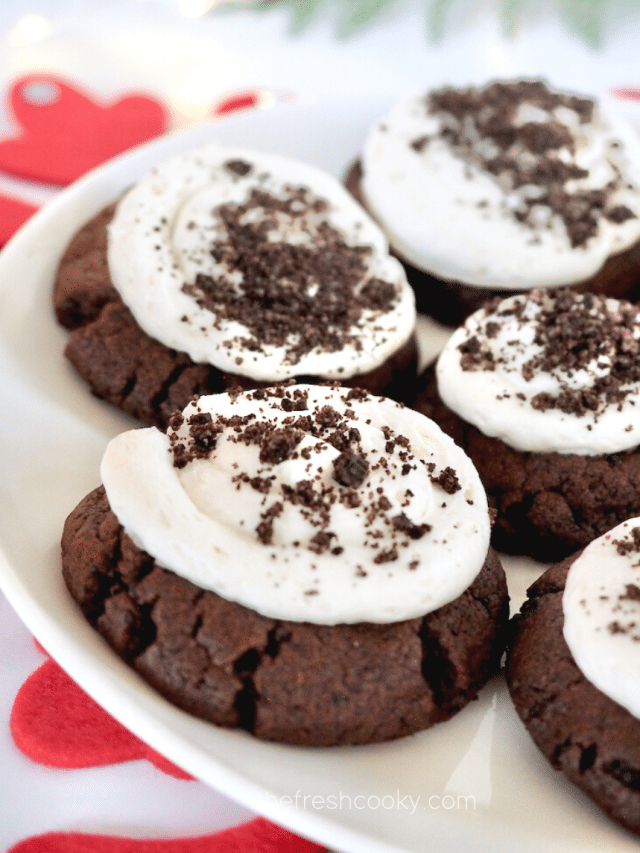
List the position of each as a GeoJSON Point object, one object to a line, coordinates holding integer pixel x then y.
{"type": "Point", "coordinates": [300, 295]}
{"type": "Point", "coordinates": [533, 159]}
{"type": "Point", "coordinates": [574, 332]}
{"type": "Point", "coordinates": [632, 593]}
{"type": "Point", "coordinates": [447, 479]}
{"type": "Point", "coordinates": [630, 544]}
{"type": "Point", "coordinates": [238, 167]}
{"type": "Point", "coordinates": [281, 438]}
{"type": "Point", "coordinates": [350, 469]}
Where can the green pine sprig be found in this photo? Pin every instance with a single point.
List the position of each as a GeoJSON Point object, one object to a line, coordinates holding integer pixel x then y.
{"type": "Point", "coordinates": [586, 18]}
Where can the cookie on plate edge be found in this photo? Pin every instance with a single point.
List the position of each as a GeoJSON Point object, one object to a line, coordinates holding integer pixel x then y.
{"type": "Point", "coordinates": [573, 674]}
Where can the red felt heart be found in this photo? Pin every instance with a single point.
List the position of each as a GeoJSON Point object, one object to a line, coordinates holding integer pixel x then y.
{"type": "Point", "coordinates": [13, 214]}
{"type": "Point", "coordinates": [64, 132]}
{"type": "Point", "coordinates": [54, 722]}
{"type": "Point", "coordinates": [238, 101]}
{"type": "Point", "coordinates": [255, 836]}
{"type": "Point", "coordinates": [627, 93]}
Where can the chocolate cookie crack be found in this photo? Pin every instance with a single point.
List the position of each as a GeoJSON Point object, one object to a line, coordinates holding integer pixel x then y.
{"type": "Point", "coordinates": [103, 588]}
{"type": "Point", "coordinates": [246, 667]}
{"type": "Point", "coordinates": [438, 670]}
{"type": "Point", "coordinates": [623, 773]}
{"type": "Point", "coordinates": [126, 367]}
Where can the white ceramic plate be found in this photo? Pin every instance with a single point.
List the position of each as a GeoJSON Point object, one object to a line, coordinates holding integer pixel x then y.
{"type": "Point", "coordinates": [476, 782]}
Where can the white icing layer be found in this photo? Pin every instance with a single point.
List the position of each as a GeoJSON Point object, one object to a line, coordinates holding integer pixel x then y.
{"type": "Point", "coordinates": [162, 238]}
{"type": "Point", "coordinates": [450, 217]}
{"type": "Point", "coordinates": [500, 401]}
{"type": "Point", "coordinates": [601, 605]}
{"type": "Point", "coordinates": [288, 538]}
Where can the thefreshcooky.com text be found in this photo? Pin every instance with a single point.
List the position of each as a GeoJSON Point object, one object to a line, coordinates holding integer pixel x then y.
{"type": "Point", "coordinates": [398, 801]}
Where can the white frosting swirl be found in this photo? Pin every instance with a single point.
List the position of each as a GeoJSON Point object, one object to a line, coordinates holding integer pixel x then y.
{"type": "Point", "coordinates": [180, 226]}
{"type": "Point", "coordinates": [601, 605]}
{"type": "Point", "coordinates": [306, 503]}
{"type": "Point", "coordinates": [498, 372]}
{"type": "Point", "coordinates": [446, 214]}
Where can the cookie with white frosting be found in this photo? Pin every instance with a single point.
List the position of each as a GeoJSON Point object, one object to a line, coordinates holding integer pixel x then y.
{"type": "Point", "coordinates": [572, 669]}
{"type": "Point", "coordinates": [503, 188]}
{"type": "Point", "coordinates": [309, 563]}
{"type": "Point", "coordinates": [542, 390]}
{"type": "Point", "coordinates": [228, 267]}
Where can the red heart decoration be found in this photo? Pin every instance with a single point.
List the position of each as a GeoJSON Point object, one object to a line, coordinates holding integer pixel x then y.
{"type": "Point", "coordinates": [242, 101]}
{"type": "Point", "coordinates": [627, 93]}
{"type": "Point", "coordinates": [13, 214]}
{"type": "Point", "coordinates": [64, 132]}
{"type": "Point", "coordinates": [54, 722]}
{"type": "Point", "coordinates": [255, 836]}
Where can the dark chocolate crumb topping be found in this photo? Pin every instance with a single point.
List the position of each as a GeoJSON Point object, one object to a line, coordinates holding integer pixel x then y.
{"type": "Point", "coordinates": [350, 486]}
{"type": "Point", "coordinates": [299, 295]}
{"type": "Point", "coordinates": [630, 544]}
{"type": "Point", "coordinates": [535, 159]}
{"type": "Point", "coordinates": [238, 167]}
{"type": "Point", "coordinates": [574, 332]}
{"type": "Point", "coordinates": [447, 479]}
{"type": "Point", "coordinates": [631, 593]}
{"type": "Point", "coordinates": [350, 469]}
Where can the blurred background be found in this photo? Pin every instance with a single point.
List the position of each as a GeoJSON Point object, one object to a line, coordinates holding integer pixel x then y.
{"type": "Point", "coordinates": [195, 55]}
{"type": "Point", "coordinates": [193, 51]}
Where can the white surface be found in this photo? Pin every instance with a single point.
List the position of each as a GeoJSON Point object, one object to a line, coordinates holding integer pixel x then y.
{"type": "Point", "coordinates": [54, 436]}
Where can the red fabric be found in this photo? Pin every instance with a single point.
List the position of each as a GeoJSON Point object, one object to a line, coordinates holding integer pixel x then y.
{"type": "Point", "coordinates": [237, 101]}
{"type": "Point", "coordinates": [255, 836]}
{"type": "Point", "coordinates": [627, 93]}
{"type": "Point", "coordinates": [54, 722]}
{"type": "Point", "coordinates": [13, 214]}
{"type": "Point", "coordinates": [64, 132]}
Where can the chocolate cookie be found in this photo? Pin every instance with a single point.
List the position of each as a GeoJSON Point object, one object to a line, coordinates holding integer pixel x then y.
{"type": "Point", "coordinates": [286, 681]}
{"type": "Point", "coordinates": [547, 504]}
{"type": "Point", "coordinates": [451, 302]}
{"type": "Point", "coordinates": [541, 391]}
{"type": "Point", "coordinates": [269, 281]}
{"type": "Point", "coordinates": [489, 191]}
{"type": "Point", "coordinates": [585, 734]}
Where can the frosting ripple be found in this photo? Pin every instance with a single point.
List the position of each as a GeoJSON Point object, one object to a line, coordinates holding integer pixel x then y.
{"type": "Point", "coordinates": [510, 186]}
{"type": "Point", "coordinates": [601, 605]}
{"type": "Point", "coordinates": [260, 265]}
{"type": "Point", "coordinates": [308, 503]}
